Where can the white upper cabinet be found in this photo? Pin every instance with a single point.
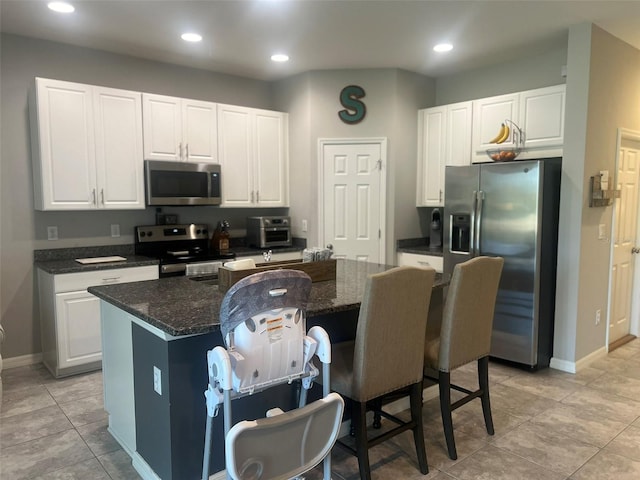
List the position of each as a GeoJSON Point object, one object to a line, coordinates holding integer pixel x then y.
{"type": "Point", "coordinates": [179, 129]}
{"type": "Point", "coordinates": [253, 154]}
{"type": "Point", "coordinates": [119, 166]}
{"type": "Point", "coordinates": [539, 113]}
{"type": "Point", "coordinates": [542, 119]}
{"type": "Point", "coordinates": [488, 115]}
{"type": "Point", "coordinates": [444, 138]}
{"type": "Point", "coordinates": [87, 147]}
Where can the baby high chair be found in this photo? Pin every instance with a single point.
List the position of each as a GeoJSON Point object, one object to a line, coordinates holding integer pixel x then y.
{"type": "Point", "coordinates": [262, 321]}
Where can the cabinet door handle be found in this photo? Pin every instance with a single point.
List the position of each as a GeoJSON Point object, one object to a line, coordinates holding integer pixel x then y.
{"type": "Point", "coordinates": [180, 152]}
{"type": "Point", "coordinates": [110, 279]}
{"type": "Point", "coordinates": [440, 195]}
{"type": "Point", "coordinates": [102, 195]}
{"type": "Point", "coordinates": [257, 196]}
{"type": "Point", "coordinates": [251, 196]}
{"type": "Point", "coordinates": [187, 157]}
{"type": "Point", "coordinates": [93, 196]}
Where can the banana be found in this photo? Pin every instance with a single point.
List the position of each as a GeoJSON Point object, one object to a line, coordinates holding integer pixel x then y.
{"type": "Point", "coordinates": [499, 135]}
{"type": "Point", "coordinates": [505, 135]}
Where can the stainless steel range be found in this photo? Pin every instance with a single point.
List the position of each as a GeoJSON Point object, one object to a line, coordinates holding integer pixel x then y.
{"type": "Point", "coordinates": [181, 249]}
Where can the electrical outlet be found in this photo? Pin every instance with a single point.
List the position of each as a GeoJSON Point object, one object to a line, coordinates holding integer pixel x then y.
{"type": "Point", "coordinates": [304, 225]}
{"type": "Point", "coordinates": [602, 231]}
{"type": "Point", "coordinates": [598, 317]}
{"type": "Point", "coordinates": [157, 380]}
{"type": "Point", "coordinates": [115, 230]}
{"type": "Point", "coordinates": [52, 233]}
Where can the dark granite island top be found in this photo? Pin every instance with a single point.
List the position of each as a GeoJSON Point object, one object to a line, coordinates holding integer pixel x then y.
{"type": "Point", "coordinates": [160, 331]}
{"type": "Point", "coordinates": [180, 306]}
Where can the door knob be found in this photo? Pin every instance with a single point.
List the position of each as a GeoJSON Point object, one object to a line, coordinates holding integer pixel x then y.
{"type": "Point", "coordinates": [635, 250]}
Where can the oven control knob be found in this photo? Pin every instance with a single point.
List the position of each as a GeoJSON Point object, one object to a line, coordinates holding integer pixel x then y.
{"type": "Point", "coordinates": [198, 231]}
{"type": "Point", "coordinates": [150, 233]}
{"type": "Point", "coordinates": [205, 232]}
{"type": "Point", "coordinates": [142, 234]}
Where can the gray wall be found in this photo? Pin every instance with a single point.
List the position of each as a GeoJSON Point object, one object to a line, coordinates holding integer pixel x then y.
{"type": "Point", "coordinates": [536, 71]}
{"type": "Point", "coordinates": [392, 100]}
{"type": "Point", "coordinates": [24, 229]}
{"type": "Point", "coordinates": [614, 102]}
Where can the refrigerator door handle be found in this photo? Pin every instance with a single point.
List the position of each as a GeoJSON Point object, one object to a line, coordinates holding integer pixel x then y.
{"type": "Point", "coordinates": [479, 202]}
{"type": "Point", "coordinates": [472, 236]}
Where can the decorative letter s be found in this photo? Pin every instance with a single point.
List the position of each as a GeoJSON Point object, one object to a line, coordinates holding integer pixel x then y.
{"type": "Point", "coordinates": [355, 110]}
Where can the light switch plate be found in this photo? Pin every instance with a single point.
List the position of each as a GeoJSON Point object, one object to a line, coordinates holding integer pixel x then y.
{"type": "Point", "coordinates": [115, 230]}
{"type": "Point", "coordinates": [602, 231]}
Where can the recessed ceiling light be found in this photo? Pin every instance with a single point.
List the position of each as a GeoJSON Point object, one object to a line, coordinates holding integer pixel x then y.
{"type": "Point", "coordinates": [191, 37]}
{"type": "Point", "coordinates": [61, 7]}
{"type": "Point", "coordinates": [443, 47]}
{"type": "Point", "coordinates": [280, 57]}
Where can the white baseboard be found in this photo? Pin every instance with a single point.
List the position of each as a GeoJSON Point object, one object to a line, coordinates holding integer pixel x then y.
{"type": "Point", "coordinates": [143, 468]}
{"type": "Point", "coordinates": [22, 360]}
{"type": "Point", "coordinates": [575, 367]}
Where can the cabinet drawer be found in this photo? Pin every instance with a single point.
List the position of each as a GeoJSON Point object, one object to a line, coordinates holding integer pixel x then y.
{"type": "Point", "coordinates": [69, 282]}
{"type": "Point", "coordinates": [417, 260]}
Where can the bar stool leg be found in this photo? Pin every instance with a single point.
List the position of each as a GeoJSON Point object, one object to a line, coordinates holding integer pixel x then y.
{"type": "Point", "coordinates": [362, 446]}
{"type": "Point", "coordinates": [415, 400]}
{"type": "Point", "coordinates": [444, 382]}
{"type": "Point", "coordinates": [483, 382]}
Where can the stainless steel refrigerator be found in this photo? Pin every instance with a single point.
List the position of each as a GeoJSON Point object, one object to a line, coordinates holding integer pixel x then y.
{"type": "Point", "coordinates": [510, 210]}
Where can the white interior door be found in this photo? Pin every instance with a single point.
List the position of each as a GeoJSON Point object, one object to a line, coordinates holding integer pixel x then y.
{"type": "Point", "coordinates": [353, 199]}
{"type": "Point", "coordinates": [624, 241]}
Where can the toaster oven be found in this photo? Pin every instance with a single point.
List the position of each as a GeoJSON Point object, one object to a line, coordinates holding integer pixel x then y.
{"type": "Point", "coordinates": [267, 232]}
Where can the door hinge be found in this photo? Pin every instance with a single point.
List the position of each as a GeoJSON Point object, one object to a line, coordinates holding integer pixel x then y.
{"type": "Point", "coordinates": [379, 234]}
{"type": "Point", "coordinates": [379, 164]}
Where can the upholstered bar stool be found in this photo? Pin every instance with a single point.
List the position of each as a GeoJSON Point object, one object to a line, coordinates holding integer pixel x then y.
{"type": "Point", "coordinates": [387, 356]}
{"type": "Point", "coordinates": [465, 336]}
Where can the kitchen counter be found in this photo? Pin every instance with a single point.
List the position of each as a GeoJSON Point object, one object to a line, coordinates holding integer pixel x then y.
{"type": "Point", "coordinates": [166, 326]}
{"type": "Point", "coordinates": [69, 265]}
{"type": "Point", "coordinates": [418, 246]}
{"type": "Point", "coordinates": [180, 306]}
{"type": "Point", "coordinates": [247, 251]}
{"type": "Point", "coordinates": [62, 260]}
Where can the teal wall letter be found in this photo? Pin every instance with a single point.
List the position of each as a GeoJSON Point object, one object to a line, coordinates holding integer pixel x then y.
{"type": "Point", "coordinates": [355, 110]}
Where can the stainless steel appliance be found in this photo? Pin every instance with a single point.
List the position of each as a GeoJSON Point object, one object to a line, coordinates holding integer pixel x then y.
{"type": "Point", "coordinates": [181, 249]}
{"type": "Point", "coordinates": [510, 210]}
{"type": "Point", "coordinates": [267, 232]}
{"type": "Point", "coordinates": [182, 183]}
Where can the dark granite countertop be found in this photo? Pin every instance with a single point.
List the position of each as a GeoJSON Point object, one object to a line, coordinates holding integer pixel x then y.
{"type": "Point", "coordinates": [247, 251]}
{"type": "Point", "coordinates": [419, 246]}
{"type": "Point", "coordinates": [57, 267]}
{"type": "Point", "coordinates": [180, 306]}
{"type": "Point", "coordinates": [62, 260]}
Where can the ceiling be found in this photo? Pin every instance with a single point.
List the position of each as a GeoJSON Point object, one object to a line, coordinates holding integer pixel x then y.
{"type": "Point", "coordinates": [240, 35]}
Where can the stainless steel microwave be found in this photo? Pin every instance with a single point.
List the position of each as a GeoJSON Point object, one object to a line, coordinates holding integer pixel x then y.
{"type": "Point", "coordinates": [182, 183]}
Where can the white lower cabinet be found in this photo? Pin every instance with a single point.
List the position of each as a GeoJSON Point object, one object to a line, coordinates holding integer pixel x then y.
{"type": "Point", "coordinates": [70, 316]}
{"type": "Point", "coordinates": [419, 260]}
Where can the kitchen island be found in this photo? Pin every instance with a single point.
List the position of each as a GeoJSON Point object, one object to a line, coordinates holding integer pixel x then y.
{"type": "Point", "coordinates": [155, 337]}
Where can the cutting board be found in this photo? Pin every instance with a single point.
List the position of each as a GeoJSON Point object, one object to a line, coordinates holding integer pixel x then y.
{"type": "Point", "coordinates": [87, 261]}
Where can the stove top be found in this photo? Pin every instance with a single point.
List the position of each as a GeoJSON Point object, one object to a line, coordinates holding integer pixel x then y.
{"type": "Point", "coordinates": [185, 243]}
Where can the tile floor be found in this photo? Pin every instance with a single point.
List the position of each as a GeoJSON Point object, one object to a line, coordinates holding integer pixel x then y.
{"type": "Point", "coordinates": [549, 425]}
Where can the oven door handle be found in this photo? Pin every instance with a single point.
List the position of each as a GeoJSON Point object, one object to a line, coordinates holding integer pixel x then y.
{"type": "Point", "coordinates": [173, 268]}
